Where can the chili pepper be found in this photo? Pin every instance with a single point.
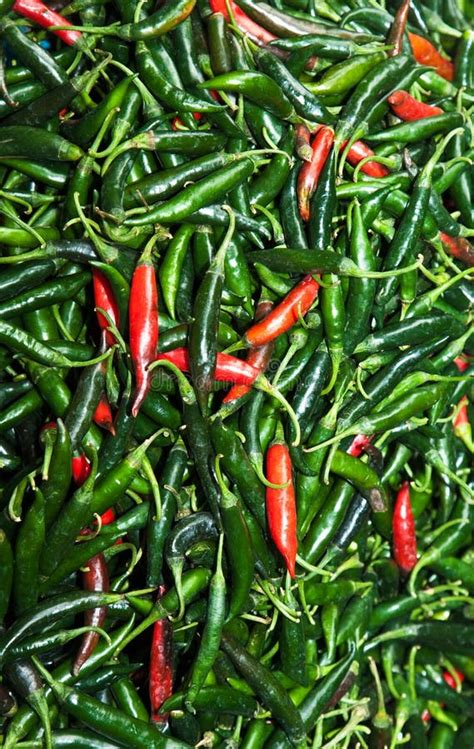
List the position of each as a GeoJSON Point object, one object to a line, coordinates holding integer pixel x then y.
{"type": "Point", "coordinates": [197, 196]}
{"type": "Point", "coordinates": [6, 556]}
{"type": "Point", "coordinates": [266, 686]}
{"type": "Point", "coordinates": [309, 172]}
{"type": "Point", "coordinates": [28, 547]}
{"type": "Point", "coordinates": [161, 667]}
{"type": "Point", "coordinates": [280, 503]}
{"type": "Point", "coordinates": [426, 54]}
{"type": "Point", "coordinates": [95, 578]}
{"type": "Point", "coordinates": [358, 152]}
{"type": "Point", "coordinates": [109, 721]}
{"type": "Point", "coordinates": [143, 322]}
{"type": "Point", "coordinates": [404, 538]}
{"type": "Point", "coordinates": [383, 79]}
{"type": "Point", "coordinates": [212, 631]}
{"type": "Point", "coordinates": [27, 683]}
{"type": "Point", "coordinates": [397, 30]}
{"type": "Point", "coordinates": [239, 547]}
{"type": "Point", "coordinates": [203, 332]}
{"type": "Point", "coordinates": [258, 357]}
{"type": "Point", "coordinates": [103, 414]}
{"type": "Point", "coordinates": [37, 11]}
{"type": "Point", "coordinates": [295, 305]}
{"type": "Point", "coordinates": [254, 31]}
{"type": "Point", "coordinates": [104, 299]}
{"type": "Point", "coordinates": [406, 107]}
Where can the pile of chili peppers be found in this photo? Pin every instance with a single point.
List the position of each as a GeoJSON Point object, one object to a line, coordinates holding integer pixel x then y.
{"type": "Point", "coordinates": [236, 389]}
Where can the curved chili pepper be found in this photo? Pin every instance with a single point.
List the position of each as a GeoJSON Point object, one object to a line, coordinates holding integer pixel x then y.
{"type": "Point", "coordinates": [310, 171]}
{"type": "Point", "coordinates": [161, 666]}
{"type": "Point", "coordinates": [281, 503]}
{"type": "Point", "coordinates": [228, 368]}
{"type": "Point", "coordinates": [37, 11]}
{"type": "Point", "coordinates": [406, 107]}
{"type": "Point", "coordinates": [404, 534]}
{"type": "Point", "coordinates": [286, 314]}
{"type": "Point", "coordinates": [426, 54]}
{"type": "Point", "coordinates": [143, 324]}
{"type": "Point", "coordinates": [359, 151]}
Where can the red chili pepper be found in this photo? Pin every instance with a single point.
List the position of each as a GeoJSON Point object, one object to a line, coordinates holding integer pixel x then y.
{"type": "Point", "coordinates": [95, 578]}
{"type": "Point", "coordinates": [228, 368]}
{"type": "Point", "coordinates": [256, 357]}
{"type": "Point", "coordinates": [294, 306]}
{"type": "Point", "coordinates": [404, 535]}
{"type": "Point", "coordinates": [256, 33]}
{"type": "Point", "coordinates": [358, 445]}
{"type": "Point", "coordinates": [281, 503]}
{"type": "Point", "coordinates": [462, 425]}
{"type": "Point", "coordinates": [359, 151]}
{"type": "Point", "coordinates": [458, 247]}
{"type": "Point", "coordinates": [143, 324]}
{"type": "Point", "coordinates": [81, 468]}
{"type": "Point", "coordinates": [38, 12]}
{"type": "Point", "coordinates": [161, 666]}
{"type": "Point", "coordinates": [303, 142]}
{"type": "Point", "coordinates": [407, 108]}
{"type": "Point", "coordinates": [105, 299]}
{"type": "Point", "coordinates": [108, 516]}
{"type": "Point", "coordinates": [461, 364]}
{"type": "Point", "coordinates": [425, 54]}
{"type": "Point", "coordinates": [103, 415]}
{"type": "Point", "coordinates": [451, 681]}
{"type": "Point", "coordinates": [309, 173]}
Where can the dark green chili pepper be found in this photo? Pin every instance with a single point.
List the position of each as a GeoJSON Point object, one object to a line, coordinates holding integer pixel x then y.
{"type": "Point", "coordinates": [238, 547]}
{"type": "Point", "coordinates": [196, 196]}
{"type": "Point", "coordinates": [159, 527]}
{"type": "Point", "coordinates": [6, 560]}
{"type": "Point", "coordinates": [211, 637]}
{"type": "Point", "coordinates": [305, 103]}
{"type": "Point", "coordinates": [321, 697]}
{"type": "Point", "coordinates": [267, 688]}
{"type": "Point", "coordinates": [203, 331]}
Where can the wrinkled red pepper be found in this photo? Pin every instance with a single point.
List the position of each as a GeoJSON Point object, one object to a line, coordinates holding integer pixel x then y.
{"type": "Point", "coordinates": [407, 108]}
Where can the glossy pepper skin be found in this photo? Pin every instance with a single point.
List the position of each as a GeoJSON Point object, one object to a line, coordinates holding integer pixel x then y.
{"type": "Point", "coordinates": [143, 325]}
{"type": "Point", "coordinates": [297, 303]}
{"type": "Point", "coordinates": [404, 535]}
{"type": "Point", "coordinates": [160, 686]}
{"type": "Point", "coordinates": [281, 503]}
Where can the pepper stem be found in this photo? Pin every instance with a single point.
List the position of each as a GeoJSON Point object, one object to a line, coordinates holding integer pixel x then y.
{"type": "Point", "coordinates": [261, 383]}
